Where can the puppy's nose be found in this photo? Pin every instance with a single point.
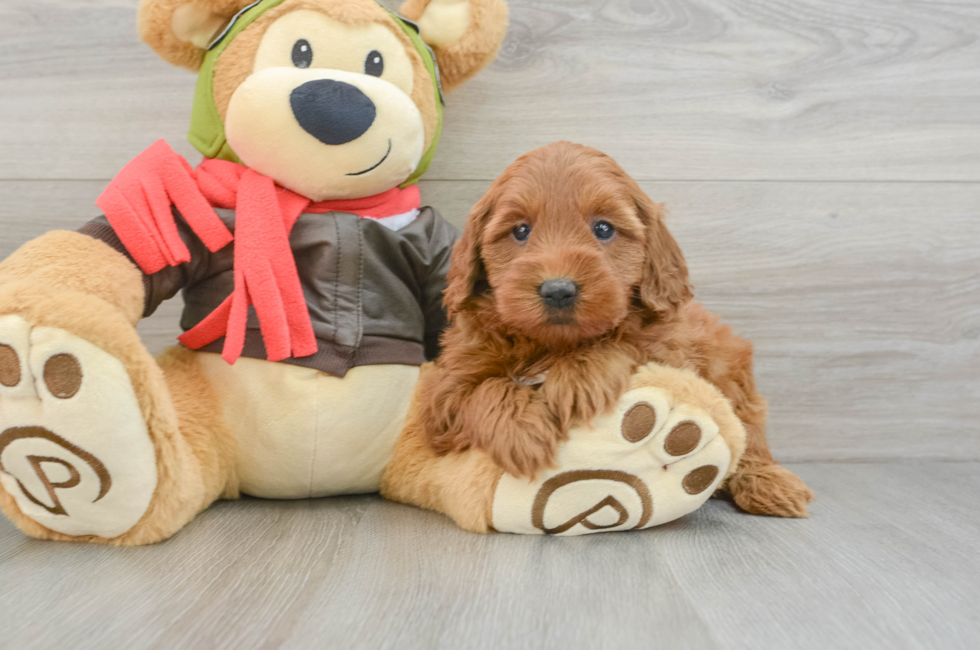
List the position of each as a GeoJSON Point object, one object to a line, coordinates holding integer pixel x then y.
{"type": "Point", "coordinates": [331, 111]}
{"type": "Point", "coordinates": [558, 294]}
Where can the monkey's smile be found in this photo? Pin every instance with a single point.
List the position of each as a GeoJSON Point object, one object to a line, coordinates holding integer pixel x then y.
{"type": "Point", "coordinates": [375, 165]}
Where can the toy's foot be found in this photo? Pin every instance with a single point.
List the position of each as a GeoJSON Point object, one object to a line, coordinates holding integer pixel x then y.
{"type": "Point", "coordinates": [75, 453]}
{"type": "Point", "coordinates": [657, 457]}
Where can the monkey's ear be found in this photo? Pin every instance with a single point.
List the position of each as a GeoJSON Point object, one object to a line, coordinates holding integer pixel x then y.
{"type": "Point", "coordinates": [465, 34]}
{"type": "Point", "coordinates": [181, 30]}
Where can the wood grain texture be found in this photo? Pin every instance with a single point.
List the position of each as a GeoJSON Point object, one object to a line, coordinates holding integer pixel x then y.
{"type": "Point", "coordinates": [888, 559]}
{"type": "Point", "coordinates": [675, 89]}
{"type": "Point", "coordinates": [863, 300]}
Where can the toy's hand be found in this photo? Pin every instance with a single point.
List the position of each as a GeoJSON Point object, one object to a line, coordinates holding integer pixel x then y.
{"type": "Point", "coordinates": [66, 264]}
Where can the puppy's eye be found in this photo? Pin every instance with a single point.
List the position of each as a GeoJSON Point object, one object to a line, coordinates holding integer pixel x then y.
{"type": "Point", "coordinates": [603, 230]}
{"type": "Point", "coordinates": [374, 64]}
{"type": "Point", "coordinates": [522, 232]}
{"type": "Point", "coordinates": [302, 53]}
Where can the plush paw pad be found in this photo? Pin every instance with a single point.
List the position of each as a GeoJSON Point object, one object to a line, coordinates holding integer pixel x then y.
{"type": "Point", "coordinates": [74, 449]}
{"type": "Point", "coordinates": [649, 462]}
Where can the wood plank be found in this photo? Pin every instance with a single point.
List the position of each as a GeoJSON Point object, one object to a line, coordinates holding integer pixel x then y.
{"type": "Point", "coordinates": [774, 89]}
{"type": "Point", "coordinates": [880, 560]}
{"type": "Point", "coordinates": [888, 559]}
{"type": "Point", "coordinates": [272, 555]}
{"type": "Point", "coordinates": [863, 300]}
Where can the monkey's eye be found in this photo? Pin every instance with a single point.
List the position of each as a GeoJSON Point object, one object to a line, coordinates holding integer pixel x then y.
{"type": "Point", "coordinates": [522, 232]}
{"type": "Point", "coordinates": [603, 230]}
{"type": "Point", "coordinates": [374, 64]}
{"type": "Point", "coordinates": [302, 53]}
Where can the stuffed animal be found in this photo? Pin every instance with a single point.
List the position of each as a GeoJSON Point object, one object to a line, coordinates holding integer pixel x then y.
{"type": "Point", "coordinates": [312, 276]}
{"type": "Point", "coordinates": [313, 284]}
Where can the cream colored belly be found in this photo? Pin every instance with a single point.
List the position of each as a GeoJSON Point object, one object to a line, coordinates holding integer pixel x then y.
{"type": "Point", "coordinates": [302, 433]}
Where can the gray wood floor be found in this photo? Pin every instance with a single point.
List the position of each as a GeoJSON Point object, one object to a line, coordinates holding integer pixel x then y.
{"type": "Point", "coordinates": [821, 161]}
{"type": "Point", "coordinates": [891, 559]}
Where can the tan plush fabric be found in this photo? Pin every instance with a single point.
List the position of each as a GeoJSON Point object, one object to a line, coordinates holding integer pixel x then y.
{"type": "Point", "coordinates": [238, 60]}
{"type": "Point", "coordinates": [463, 57]}
{"type": "Point", "coordinates": [260, 127]}
{"type": "Point", "coordinates": [445, 22]}
{"type": "Point", "coordinates": [71, 261]}
{"type": "Point", "coordinates": [155, 23]}
{"type": "Point", "coordinates": [74, 449]}
{"type": "Point", "coordinates": [292, 432]}
{"type": "Point", "coordinates": [201, 422]}
{"type": "Point", "coordinates": [459, 485]}
{"type": "Point", "coordinates": [196, 24]}
{"type": "Point", "coordinates": [663, 450]}
{"type": "Point", "coordinates": [193, 430]}
{"type": "Point", "coordinates": [301, 433]}
{"type": "Point", "coordinates": [182, 490]}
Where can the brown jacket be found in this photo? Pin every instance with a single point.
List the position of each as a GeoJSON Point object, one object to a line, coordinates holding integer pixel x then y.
{"type": "Point", "coordinates": [374, 293]}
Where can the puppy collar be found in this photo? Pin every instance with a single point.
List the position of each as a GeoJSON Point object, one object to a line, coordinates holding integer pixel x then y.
{"type": "Point", "coordinates": [207, 132]}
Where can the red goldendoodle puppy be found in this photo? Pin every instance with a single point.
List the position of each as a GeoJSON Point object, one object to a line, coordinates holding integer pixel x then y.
{"type": "Point", "coordinates": [564, 281]}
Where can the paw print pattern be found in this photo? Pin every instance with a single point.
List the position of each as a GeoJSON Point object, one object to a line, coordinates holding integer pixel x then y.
{"type": "Point", "coordinates": [652, 460]}
{"type": "Point", "coordinates": [75, 453]}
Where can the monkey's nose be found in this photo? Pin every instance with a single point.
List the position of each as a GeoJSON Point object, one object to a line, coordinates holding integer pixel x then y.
{"type": "Point", "coordinates": [560, 293]}
{"type": "Point", "coordinates": [332, 111]}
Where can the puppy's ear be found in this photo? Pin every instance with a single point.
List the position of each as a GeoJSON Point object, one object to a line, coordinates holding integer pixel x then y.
{"type": "Point", "coordinates": [665, 285]}
{"type": "Point", "coordinates": [467, 276]}
{"type": "Point", "coordinates": [465, 34]}
{"type": "Point", "coordinates": [181, 30]}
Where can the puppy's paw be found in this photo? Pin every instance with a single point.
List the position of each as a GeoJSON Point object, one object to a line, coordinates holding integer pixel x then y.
{"type": "Point", "coordinates": [770, 490]}
{"type": "Point", "coordinates": [522, 448]}
{"type": "Point", "coordinates": [658, 456]}
{"type": "Point", "coordinates": [512, 424]}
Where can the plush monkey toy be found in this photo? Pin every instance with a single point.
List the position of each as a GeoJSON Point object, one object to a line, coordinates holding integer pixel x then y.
{"type": "Point", "coordinates": [311, 274]}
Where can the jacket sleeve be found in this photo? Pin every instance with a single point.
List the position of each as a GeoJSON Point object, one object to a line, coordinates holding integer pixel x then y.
{"type": "Point", "coordinates": [163, 284]}
{"type": "Point", "coordinates": [442, 237]}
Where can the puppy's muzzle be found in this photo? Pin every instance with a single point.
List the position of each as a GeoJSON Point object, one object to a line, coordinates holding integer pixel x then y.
{"type": "Point", "coordinates": [560, 293]}
{"type": "Point", "coordinates": [332, 111]}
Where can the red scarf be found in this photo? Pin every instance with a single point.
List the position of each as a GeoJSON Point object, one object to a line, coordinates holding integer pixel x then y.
{"type": "Point", "coordinates": [138, 203]}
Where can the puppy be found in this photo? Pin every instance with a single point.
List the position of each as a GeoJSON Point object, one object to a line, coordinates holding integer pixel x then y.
{"type": "Point", "coordinates": [565, 280]}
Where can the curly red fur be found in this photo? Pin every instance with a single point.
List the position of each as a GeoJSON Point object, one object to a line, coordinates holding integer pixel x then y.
{"type": "Point", "coordinates": [634, 306]}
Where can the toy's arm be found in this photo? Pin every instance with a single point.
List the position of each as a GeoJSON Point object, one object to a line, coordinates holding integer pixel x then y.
{"type": "Point", "coordinates": [94, 262]}
{"type": "Point", "coordinates": [165, 283]}
{"type": "Point", "coordinates": [74, 262]}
